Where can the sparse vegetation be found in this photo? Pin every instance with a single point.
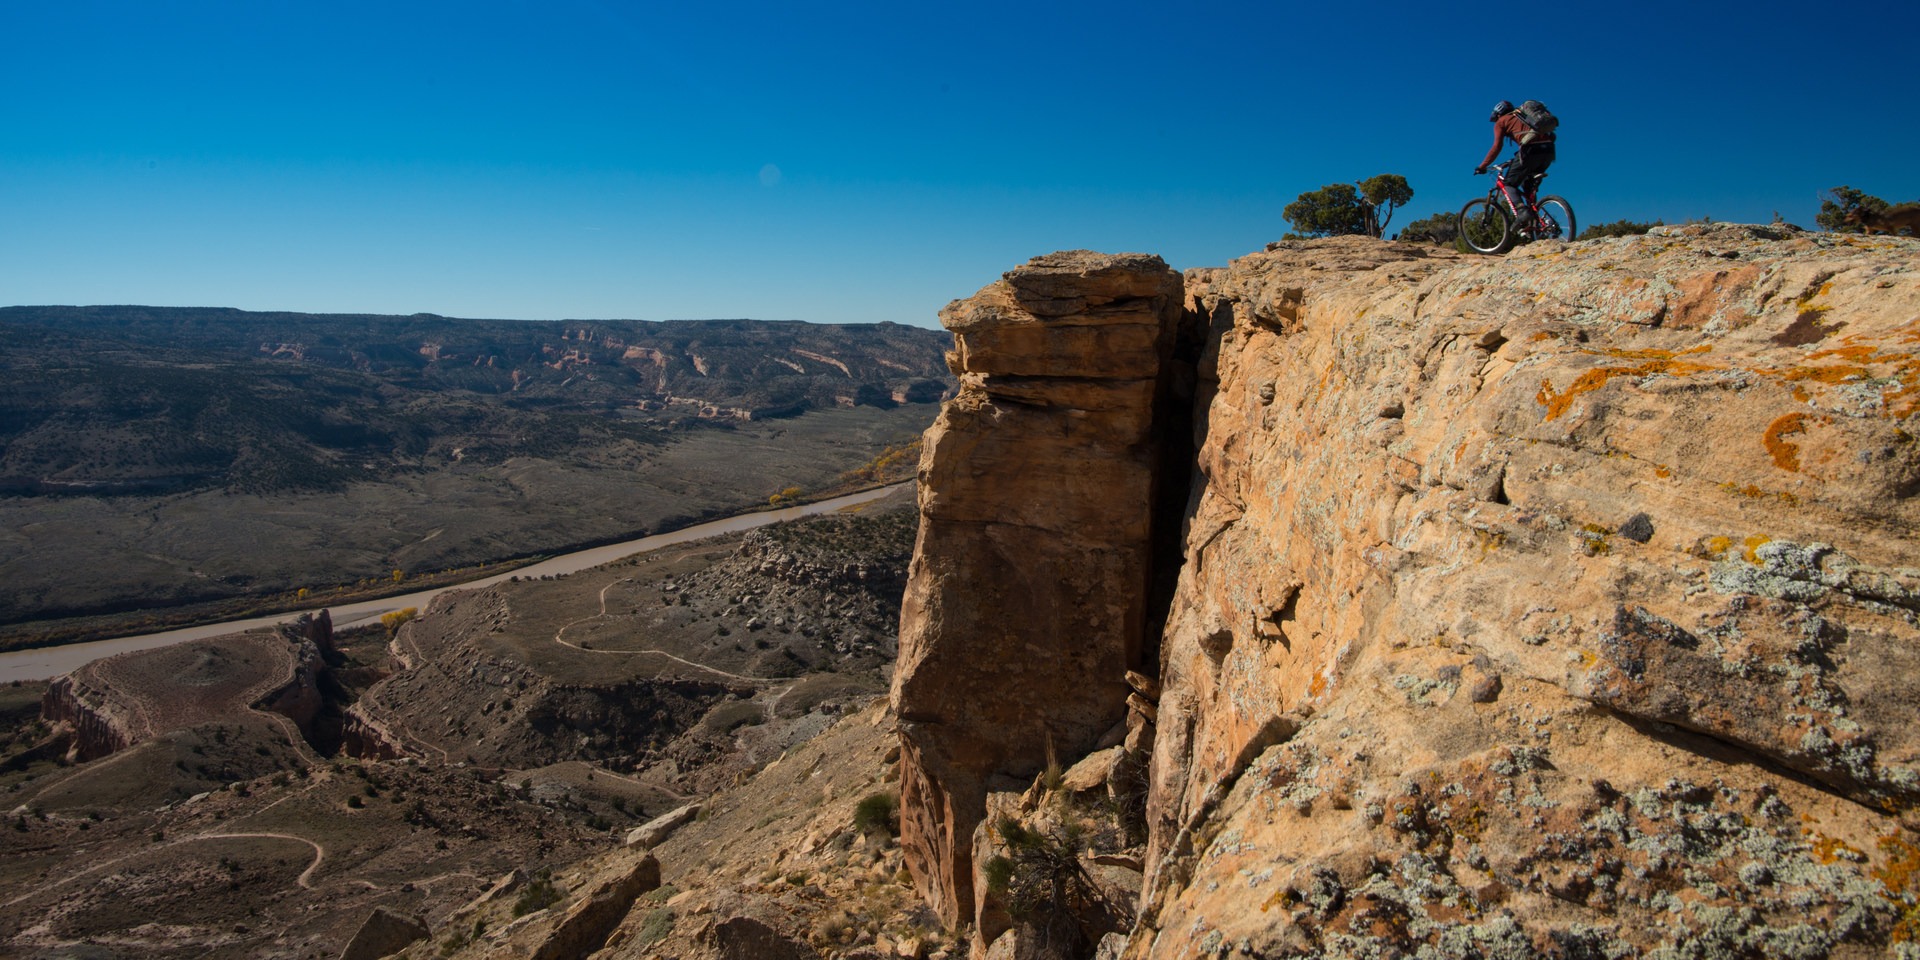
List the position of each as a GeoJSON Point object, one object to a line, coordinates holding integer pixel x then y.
{"type": "Point", "coordinates": [896, 462]}
{"type": "Point", "coordinates": [1842, 200]}
{"type": "Point", "coordinates": [539, 893]}
{"type": "Point", "coordinates": [1042, 883]}
{"type": "Point", "coordinates": [657, 923]}
{"type": "Point", "coordinates": [1442, 228]}
{"type": "Point", "coordinates": [1618, 228]}
{"type": "Point", "coordinates": [396, 619]}
{"type": "Point", "coordinates": [878, 813]}
{"type": "Point", "coordinates": [1336, 208]}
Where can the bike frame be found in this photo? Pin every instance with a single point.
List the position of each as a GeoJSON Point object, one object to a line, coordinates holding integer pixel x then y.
{"type": "Point", "coordinates": [1503, 190]}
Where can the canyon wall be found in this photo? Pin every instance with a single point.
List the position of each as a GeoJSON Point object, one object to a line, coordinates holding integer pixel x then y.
{"type": "Point", "coordinates": [1556, 604]}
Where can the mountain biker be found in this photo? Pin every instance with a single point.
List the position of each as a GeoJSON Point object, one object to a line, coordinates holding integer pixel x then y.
{"type": "Point", "coordinates": [1533, 159]}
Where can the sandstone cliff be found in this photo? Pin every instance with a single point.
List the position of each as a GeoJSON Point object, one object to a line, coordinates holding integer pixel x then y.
{"type": "Point", "coordinates": [1563, 603]}
{"type": "Point", "coordinates": [1032, 567]}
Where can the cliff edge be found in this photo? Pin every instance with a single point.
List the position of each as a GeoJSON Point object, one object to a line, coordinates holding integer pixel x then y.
{"type": "Point", "coordinates": [1565, 603]}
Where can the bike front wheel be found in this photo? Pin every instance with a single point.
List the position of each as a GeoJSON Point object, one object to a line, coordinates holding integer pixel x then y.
{"type": "Point", "coordinates": [1485, 226]}
{"type": "Point", "coordinates": [1556, 215]}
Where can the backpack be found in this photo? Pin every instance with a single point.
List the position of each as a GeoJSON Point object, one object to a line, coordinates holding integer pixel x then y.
{"type": "Point", "coordinates": [1536, 115]}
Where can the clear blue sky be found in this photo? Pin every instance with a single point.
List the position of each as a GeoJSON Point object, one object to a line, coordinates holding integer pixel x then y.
{"type": "Point", "coordinates": [854, 162]}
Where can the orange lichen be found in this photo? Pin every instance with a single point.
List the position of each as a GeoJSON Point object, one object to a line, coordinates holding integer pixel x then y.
{"type": "Point", "coordinates": [1901, 398]}
{"type": "Point", "coordinates": [1786, 455]}
{"type": "Point", "coordinates": [1825, 374]}
{"type": "Point", "coordinates": [1753, 544]}
{"type": "Point", "coordinates": [1860, 352]}
{"type": "Point", "coordinates": [1662, 471]}
{"type": "Point", "coordinates": [1658, 362]}
{"type": "Point", "coordinates": [1826, 850]}
{"type": "Point", "coordinates": [1469, 823]}
{"type": "Point", "coordinates": [1825, 288]}
{"type": "Point", "coordinates": [1900, 877]}
{"type": "Point", "coordinates": [1318, 685]}
{"type": "Point", "coordinates": [1753, 492]}
{"type": "Point", "coordinates": [1283, 897]}
{"type": "Point", "coordinates": [1717, 547]}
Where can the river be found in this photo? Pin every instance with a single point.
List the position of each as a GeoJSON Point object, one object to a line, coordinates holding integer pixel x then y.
{"type": "Point", "coordinates": [47, 662]}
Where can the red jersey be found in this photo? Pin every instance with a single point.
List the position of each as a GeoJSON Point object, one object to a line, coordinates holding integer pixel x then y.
{"type": "Point", "coordinates": [1510, 126]}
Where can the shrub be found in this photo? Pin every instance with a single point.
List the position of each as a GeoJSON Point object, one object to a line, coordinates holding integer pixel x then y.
{"type": "Point", "coordinates": [1842, 200]}
{"type": "Point", "coordinates": [1042, 883]}
{"type": "Point", "coordinates": [394, 620]}
{"type": "Point", "coordinates": [1441, 228]}
{"type": "Point", "coordinates": [1619, 228]}
{"type": "Point", "coordinates": [654, 927]}
{"type": "Point", "coordinates": [539, 893]}
{"type": "Point", "coordinates": [878, 812]}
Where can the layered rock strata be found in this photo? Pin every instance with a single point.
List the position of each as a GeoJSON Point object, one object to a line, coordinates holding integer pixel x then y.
{"type": "Point", "coordinates": [1026, 601]}
{"type": "Point", "coordinates": [1565, 603]}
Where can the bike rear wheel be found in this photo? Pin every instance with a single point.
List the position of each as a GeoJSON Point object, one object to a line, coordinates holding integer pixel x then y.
{"type": "Point", "coordinates": [1485, 226]}
{"type": "Point", "coordinates": [1557, 214]}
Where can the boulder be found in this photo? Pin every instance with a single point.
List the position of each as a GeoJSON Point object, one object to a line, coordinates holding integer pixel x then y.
{"type": "Point", "coordinates": [600, 908]}
{"type": "Point", "coordinates": [656, 831]}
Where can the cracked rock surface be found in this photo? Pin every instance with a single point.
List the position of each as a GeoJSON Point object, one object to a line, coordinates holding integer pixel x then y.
{"type": "Point", "coordinates": [1587, 575]}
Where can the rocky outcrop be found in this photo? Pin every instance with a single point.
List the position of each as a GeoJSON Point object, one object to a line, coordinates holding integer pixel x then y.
{"type": "Point", "coordinates": [1557, 604]}
{"type": "Point", "coordinates": [1027, 599]}
{"type": "Point", "coordinates": [100, 725]}
{"type": "Point", "coordinates": [583, 929]}
{"type": "Point", "coordinates": [650, 834]}
{"type": "Point", "coordinates": [384, 934]}
{"type": "Point", "coordinates": [119, 701]}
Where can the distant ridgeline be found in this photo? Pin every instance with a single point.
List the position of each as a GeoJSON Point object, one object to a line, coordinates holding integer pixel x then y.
{"type": "Point", "coordinates": [129, 399]}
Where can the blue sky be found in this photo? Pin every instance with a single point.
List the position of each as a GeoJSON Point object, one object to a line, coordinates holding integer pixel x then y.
{"type": "Point", "coordinates": [856, 162]}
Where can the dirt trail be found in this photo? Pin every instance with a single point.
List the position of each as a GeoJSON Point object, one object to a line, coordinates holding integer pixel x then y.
{"type": "Point", "coordinates": [559, 637]}
{"type": "Point", "coordinates": [319, 855]}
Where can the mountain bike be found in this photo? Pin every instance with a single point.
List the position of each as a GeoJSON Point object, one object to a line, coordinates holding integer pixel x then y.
{"type": "Point", "coordinates": [1506, 214]}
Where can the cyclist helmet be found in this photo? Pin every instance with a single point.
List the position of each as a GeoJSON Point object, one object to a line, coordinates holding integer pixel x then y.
{"type": "Point", "coordinates": [1500, 109]}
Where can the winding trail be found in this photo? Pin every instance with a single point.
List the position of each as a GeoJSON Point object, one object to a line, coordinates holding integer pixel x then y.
{"type": "Point", "coordinates": [319, 852]}
{"type": "Point", "coordinates": [319, 856]}
{"type": "Point", "coordinates": [559, 637]}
